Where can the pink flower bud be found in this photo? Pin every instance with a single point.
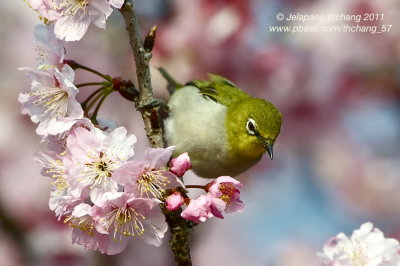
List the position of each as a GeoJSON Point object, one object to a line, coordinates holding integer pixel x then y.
{"type": "Point", "coordinates": [180, 164]}
{"type": "Point", "coordinates": [174, 201]}
{"type": "Point", "coordinates": [198, 209]}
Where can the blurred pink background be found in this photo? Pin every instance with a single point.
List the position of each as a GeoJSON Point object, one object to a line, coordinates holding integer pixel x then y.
{"type": "Point", "coordinates": [336, 162]}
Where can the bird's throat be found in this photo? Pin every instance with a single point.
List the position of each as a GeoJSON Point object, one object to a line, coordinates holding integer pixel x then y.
{"type": "Point", "coordinates": [248, 151]}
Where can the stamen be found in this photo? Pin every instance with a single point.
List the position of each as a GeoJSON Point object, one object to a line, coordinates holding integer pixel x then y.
{"type": "Point", "coordinates": [57, 169]}
{"type": "Point", "coordinates": [60, 184]}
{"type": "Point", "coordinates": [125, 222]}
{"type": "Point", "coordinates": [53, 100]}
{"type": "Point", "coordinates": [228, 191]}
{"type": "Point", "coordinates": [71, 7]}
{"type": "Point", "coordinates": [152, 184]}
{"type": "Point", "coordinates": [99, 170]}
{"type": "Point", "coordinates": [357, 254]}
{"type": "Point", "coordinates": [85, 223]}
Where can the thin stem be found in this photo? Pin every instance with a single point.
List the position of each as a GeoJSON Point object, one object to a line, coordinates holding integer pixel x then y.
{"type": "Point", "coordinates": [76, 65]}
{"type": "Point", "coordinates": [91, 84]}
{"type": "Point", "coordinates": [84, 103]}
{"type": "Point", "coordinates": [94, 101]}
{"type": "Point", "coordinates": [94, 115]}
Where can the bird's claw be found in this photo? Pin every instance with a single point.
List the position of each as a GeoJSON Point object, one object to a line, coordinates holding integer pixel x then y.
{"type": "Point", "coordinates": [153, 104]}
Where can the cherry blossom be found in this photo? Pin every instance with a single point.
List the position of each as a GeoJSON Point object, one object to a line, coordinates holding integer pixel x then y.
{"type": "Point", "coordinates": [227, 188]}
{"type": "Point", "coordinates": [73, 17]}
{"type": "Point", "coordinates": [203, 208]}
{"type": "Point", "coordinates": [91, 158]}
{"type": "Point", "coordinates": [223, 195]}
{"type": "Point", "coordinates": [51, 101]}
{"type": "Point", "coordinates": [61, 202]}
{"type": "Point", "coordinates": [148, 178]}
{"type": "Point", "coordinates": [366, 246]}
{"type": "Point", "coordinates": [51, 51]}
{"type": "Point", "coordinates": [123, 216]}
{"type": "Point", "coordinates": [84, 232]}
{"type": "Point", "coordinates": [58, 143]}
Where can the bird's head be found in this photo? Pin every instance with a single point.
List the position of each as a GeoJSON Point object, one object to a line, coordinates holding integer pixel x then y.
{"type": "Point", "coordinates": [252, 127]}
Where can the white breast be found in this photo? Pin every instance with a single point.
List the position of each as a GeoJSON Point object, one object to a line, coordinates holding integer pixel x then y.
{"type": "Point", "coordinates": [197, 125]}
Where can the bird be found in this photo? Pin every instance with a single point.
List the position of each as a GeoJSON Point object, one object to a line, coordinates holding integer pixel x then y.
{"type": "Point", "coordinates": [223, 129]}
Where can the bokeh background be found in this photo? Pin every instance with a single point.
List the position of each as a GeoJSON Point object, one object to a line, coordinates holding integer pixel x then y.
{"type": "Point", "coordinates": [337, 160]}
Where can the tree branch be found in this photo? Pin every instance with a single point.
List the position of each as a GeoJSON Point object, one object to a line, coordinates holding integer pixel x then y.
{"type": "Point", "coordinates": [180, 228]}
{"type": "Point", "coordinates": [142, 59]}
{"type": "Point", "coordinates": [180, 237]}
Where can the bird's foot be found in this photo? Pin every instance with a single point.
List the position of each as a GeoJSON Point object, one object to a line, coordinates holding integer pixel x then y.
{"type": "Point", "coordinates": [155, 103]}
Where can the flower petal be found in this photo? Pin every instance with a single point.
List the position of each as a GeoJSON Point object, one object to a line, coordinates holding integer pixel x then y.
{"type": "Point", "coordinates": [72, 28]}
{"type": "Point", "coordinates": [119, 144]}
{"type": "Point", "coordinates": [99, 11]}
{"type": "Point", "coordinates": [128, 173]}
{"type": "Point", "coordinates": [116, 3]}
{"type": "Point", "coordinates": [157, 157]}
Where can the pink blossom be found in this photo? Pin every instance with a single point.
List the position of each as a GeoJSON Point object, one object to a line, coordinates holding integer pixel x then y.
{"type": "Point", "coordinates": [148, 178]}
{"type": "Point", "coordinates": [52, 164]}
{"type": "Point", "coordinates": [203, 208]}
{"type": "Point", "coordinates": [51, 101]}
{"type": "Point", "coordinates": [61, 202]}
{"type": "Point", "coordinates": [58, 142]}
{"type": "Point", "coordinates": [227, 189]}
{"type": "Point", "coordinates": [366, 246]}
{"type": "Point", "coordinates": [45, 8]}
{"type": "Point", "coordinates": [72, 18]}
{"type": "Point", "coordinates": [51, 52]}
{"type": "Point", "coordinates": [174, 201]}
{"type": "Point", "coordinates": [223, 195]}
{"type": "Point", "coordinates": [85, 233]}
{"type": "Point", "coordinates": [180, 164]}
{"type": "Point", "coordinates": [123, 216]}
{"type": "Point", "coordinates": [91, 158]}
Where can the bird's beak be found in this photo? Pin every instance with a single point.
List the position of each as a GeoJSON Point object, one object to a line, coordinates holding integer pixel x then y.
{"type": "Point", "coordinates": [269, 149]}
{"type": "Point", "coordinates": [268, 143]}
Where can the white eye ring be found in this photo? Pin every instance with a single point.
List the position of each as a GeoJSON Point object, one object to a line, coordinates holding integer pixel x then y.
{"type": "Point", "coordinates": [251, 127]}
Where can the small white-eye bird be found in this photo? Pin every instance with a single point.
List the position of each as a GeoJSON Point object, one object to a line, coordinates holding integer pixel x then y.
{"type": "Point", "coordinates": [223, 129]}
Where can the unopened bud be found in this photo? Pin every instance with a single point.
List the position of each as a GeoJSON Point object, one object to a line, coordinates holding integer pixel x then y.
{"type": "Point", "coordinates": [125, 88]}
{"type": "Point", "coordinates": [174, 201]}
{"type": "Point", "coordinates": [181, 164]}
{"type": "Point", "coordinates": [150, 39]}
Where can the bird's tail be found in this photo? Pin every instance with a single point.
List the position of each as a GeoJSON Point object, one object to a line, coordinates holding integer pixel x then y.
{"type": "Point", "coordinates": [173, 85]}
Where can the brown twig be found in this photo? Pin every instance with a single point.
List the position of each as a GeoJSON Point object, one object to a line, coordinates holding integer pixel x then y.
{"type": "Point", "coordinates": [142, 59]}
{"type": "Point", "coordinates": [180, 228]}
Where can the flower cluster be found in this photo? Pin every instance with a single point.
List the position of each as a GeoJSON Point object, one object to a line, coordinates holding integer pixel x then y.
{"type": "Point", "coordinates": [108, 198]}
{"type": "Point", "coordinates": [223, 194]}
{"type": "Point", "coordinates": [366, 246]}
{"type": "Point", "coordinates": [97, 185]}
{"type": "Point", "coordinates": [72, 17]}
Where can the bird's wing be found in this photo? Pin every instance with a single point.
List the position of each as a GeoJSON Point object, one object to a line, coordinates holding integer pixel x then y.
{"type": "Point", "coordinates": [219, 89]}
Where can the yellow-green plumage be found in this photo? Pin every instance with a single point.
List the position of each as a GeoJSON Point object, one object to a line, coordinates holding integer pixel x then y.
{"type": "Point", "coordinates": [214, 122]}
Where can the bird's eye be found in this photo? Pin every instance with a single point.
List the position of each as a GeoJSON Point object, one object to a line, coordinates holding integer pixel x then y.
{"type": "Point", "coordinates": [251, 127]}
